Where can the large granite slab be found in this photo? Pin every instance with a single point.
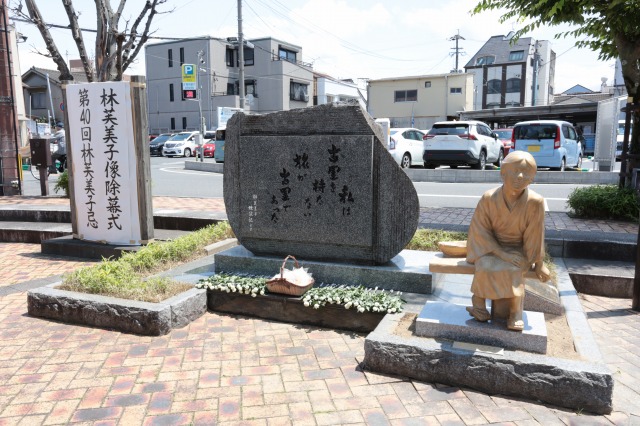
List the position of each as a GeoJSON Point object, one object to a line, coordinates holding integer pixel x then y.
{"type": "Point", "coordinates": [450, 321]}
{"type": "Point", "coordinates": [317, 183]}
{"type": "Point", "coordinates": [406, 272]}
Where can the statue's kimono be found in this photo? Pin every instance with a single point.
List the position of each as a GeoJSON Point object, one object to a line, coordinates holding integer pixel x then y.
{"type": "Point", "coordinates": [494, 225]}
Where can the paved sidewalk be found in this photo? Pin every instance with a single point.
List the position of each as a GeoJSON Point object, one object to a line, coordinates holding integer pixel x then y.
{"type": "Point", "coordinates": [226, 369]}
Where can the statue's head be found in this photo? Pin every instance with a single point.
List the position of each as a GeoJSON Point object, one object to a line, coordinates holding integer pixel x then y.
{"type": "Point", "coordinates": [519, 163]}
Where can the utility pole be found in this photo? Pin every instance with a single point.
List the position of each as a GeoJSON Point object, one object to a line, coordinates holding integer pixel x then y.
{"type": "Point", "coordinates": [536, 68]}
{"type": "Point", "coordinates": [457, 50]}
{"type": "Point", "coordinates": [9, 163]}
{"type": "Point", "coordinates": [240, 55]}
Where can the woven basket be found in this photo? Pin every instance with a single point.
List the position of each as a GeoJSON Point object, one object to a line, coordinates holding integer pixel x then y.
{"type": "Point", "coordinates": [288, 282]}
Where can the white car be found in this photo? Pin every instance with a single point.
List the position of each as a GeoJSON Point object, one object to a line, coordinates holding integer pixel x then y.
{"type": "Point", "coordinates": [181, 144]}
{"type": "Point", "coordinates": [462, 143]}
{"type": "Point", "coordinates": [406, 146]}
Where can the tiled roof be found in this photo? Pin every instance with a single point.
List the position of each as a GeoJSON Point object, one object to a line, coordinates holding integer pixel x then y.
{"type": "Point", "coordinates": [54, 75]}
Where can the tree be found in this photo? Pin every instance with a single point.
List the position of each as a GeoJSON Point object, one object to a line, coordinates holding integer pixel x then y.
{"type": "Point", "coordinates": [115, 50]}
{"type": "Point", "coordinates": [609, 27]}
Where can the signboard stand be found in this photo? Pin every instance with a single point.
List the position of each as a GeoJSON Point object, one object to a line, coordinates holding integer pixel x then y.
{"type": "Point", "coordinates": [123, 213]}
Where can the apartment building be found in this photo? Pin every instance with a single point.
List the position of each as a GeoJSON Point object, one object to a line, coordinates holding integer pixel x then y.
{"type": "Point", "coordinates": [420, 101]}
{"type": "Point", "coordinates": [275, 79]}
{"type": "Point", "coordinates": [512, 73]}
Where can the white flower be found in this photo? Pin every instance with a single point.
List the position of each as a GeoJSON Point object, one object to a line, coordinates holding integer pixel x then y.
{"type": "Point", "coordinates": [348, 305]}
{"type": "Point", "coordinates": [316, 306]}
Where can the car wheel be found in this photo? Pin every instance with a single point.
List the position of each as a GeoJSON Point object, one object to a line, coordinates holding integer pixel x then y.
{"type": "Point", "coordinates": [500, 158]}
{"type": "Point", "coordinates": [429, 166]}
{"type": "Point", "coordinates": [187, 152]}
{"type": "Point", "coordinates": [406, 161]}
{"type": "Point", "coordinates": [482, 161]}
{"type": "Point", "coordinates": [563, 166]}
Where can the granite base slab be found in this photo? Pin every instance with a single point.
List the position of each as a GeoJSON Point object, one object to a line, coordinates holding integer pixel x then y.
{"type": "Point", "coordinates": [129, 316]}
{"type": "Point", "coordinates": [451, 321]}
{"type": "Point", "coordinates": [406, 272]}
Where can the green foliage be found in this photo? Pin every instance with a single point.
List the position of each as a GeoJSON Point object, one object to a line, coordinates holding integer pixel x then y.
{"type": "Point", "coordinates": [604, 202]}
{"type": "Point", "coordinates": [427, 239]}
{"type": "Point", "coordinates": [63, 183]}
{"type": "Point", "coordinates": [360, 298]}
{"type": "Point", "coordinates": [126, 277]}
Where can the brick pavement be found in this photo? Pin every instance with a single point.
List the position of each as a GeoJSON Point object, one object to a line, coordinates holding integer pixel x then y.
{"type": "Point", "coordinates": [226, 369]}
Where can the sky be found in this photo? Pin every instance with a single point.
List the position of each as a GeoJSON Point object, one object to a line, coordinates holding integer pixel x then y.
{"type": "Point", "coordinates": [356, 39]}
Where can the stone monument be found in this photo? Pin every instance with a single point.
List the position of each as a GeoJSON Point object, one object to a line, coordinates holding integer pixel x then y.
{"type": "Point", "coordinates": [317, 183]}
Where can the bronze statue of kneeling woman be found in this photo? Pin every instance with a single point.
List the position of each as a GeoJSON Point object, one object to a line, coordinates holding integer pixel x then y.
{"type": "Point", "coordinates": [506, 239]}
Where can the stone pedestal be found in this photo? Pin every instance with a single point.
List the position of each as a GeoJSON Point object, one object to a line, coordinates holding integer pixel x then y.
{"type": "Point", "coordinates": [453, 322]}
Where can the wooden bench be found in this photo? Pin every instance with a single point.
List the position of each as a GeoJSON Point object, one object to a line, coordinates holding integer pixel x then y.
{"type": "Point", "coordinates": [540, 296]}
{"type": "Point", "coordinates": [458, 265]}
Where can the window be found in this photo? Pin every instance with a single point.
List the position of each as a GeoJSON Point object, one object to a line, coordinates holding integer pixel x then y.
{"type": "Point", "coordinates": [516, 55]}
{"type": "Point", "coordinates": [229, 56]}
{"type": "Point", "coordinates": [231, 88]}
{"type": "Point", "coordinates": [181, 56]}
{"type": "Point", "coordinates": [170, 57]}
{"type": "Point", "coordinates": [248, 56]}
{"type": "Point", "coordinates": [38, 100]}
{"type": "Point", "coordinates": [173, 123]}
{"type": "Point", "coordinates": [171, 92]}
{"type": "Point", "coordinates": [287, 55]}
{"type": "Point", "coordinates": [184, 123]}
{"type": "Point", "coordinates": [494, 86]}
{"type": "Point", "coordinates": [250, 88]}
{"type": "Point", "coordinates": [299, 92]}
{"type": "Point", "coordinates": [485, 60]}
{"type": "Point", "coordinates": [405, 96]}
{"type": "Point", "coordinates": [455, 90]}
{"type": "Point", "coordinates": [513, 85]}
{"type": "Point", "coordinates": [427, 84]}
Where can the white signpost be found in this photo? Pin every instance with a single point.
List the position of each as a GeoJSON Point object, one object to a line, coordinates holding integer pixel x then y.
{"type": "Point", "coordinates": [104, 162]}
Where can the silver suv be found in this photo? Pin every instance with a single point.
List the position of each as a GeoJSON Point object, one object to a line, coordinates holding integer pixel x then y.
{"type": "Point", "coordinates": [462, 143]}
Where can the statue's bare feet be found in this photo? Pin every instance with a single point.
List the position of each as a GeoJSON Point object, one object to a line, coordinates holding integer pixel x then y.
{"type": "Point", "coordinates": [515, 324]}
{"type": "Point", "coordinates": [479, 314]}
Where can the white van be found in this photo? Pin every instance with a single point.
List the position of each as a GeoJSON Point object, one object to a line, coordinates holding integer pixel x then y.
{"type": "Point", "coordinates": [554, 144]}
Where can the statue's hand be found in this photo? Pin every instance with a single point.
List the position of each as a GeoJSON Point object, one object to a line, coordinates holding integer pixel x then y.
{"type": "Point", "coordinates": [514, 258]}
{"type": "Point", "coordinates": [542, 272]}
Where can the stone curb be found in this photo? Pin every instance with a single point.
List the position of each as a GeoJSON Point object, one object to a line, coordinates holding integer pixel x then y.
{"type": "Point", "coordinates": [462, 176]}
{"type": "Point", "coordinates": [129, 316]}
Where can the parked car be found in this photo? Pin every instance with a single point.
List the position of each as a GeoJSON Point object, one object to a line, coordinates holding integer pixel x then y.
{"type": "Point", "coordinates": [209, 148]}
{"type": "Point", "coordinates": [155, 146]}
{"type": "Point", "coordinates": [152, 137]}
{"type": "Point", "coordinates": [180, 144]}
{"type": "Point", "coordinates": [505, 137]}
{"type": "Point", "coordinates": [462, 143]}
{"type": "Point", "coordinates": [554, 144]}
{"type": "Point", "coordinates": [406, 146]}
{"type": "Point", "coordinates": [219, 149]}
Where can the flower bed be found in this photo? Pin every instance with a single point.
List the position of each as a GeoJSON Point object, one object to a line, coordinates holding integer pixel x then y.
{"type": "Point", "coordinates": [341, 307]}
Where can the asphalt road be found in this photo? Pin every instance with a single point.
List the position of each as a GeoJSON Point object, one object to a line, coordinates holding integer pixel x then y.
{"type": "Point", "coordinates": [169, 178]}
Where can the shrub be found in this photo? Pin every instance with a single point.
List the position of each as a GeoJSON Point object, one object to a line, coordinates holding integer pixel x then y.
{"type": "Point", "coordinates": [427, 239]}
{"type": "Point", "coordinates": [604, 202]}
{"type": "Point", "coordinates": [62, 184]}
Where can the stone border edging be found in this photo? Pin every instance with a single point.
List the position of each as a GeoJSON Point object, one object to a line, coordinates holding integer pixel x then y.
{"type": "Point", "coordinates": [129, 316]}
